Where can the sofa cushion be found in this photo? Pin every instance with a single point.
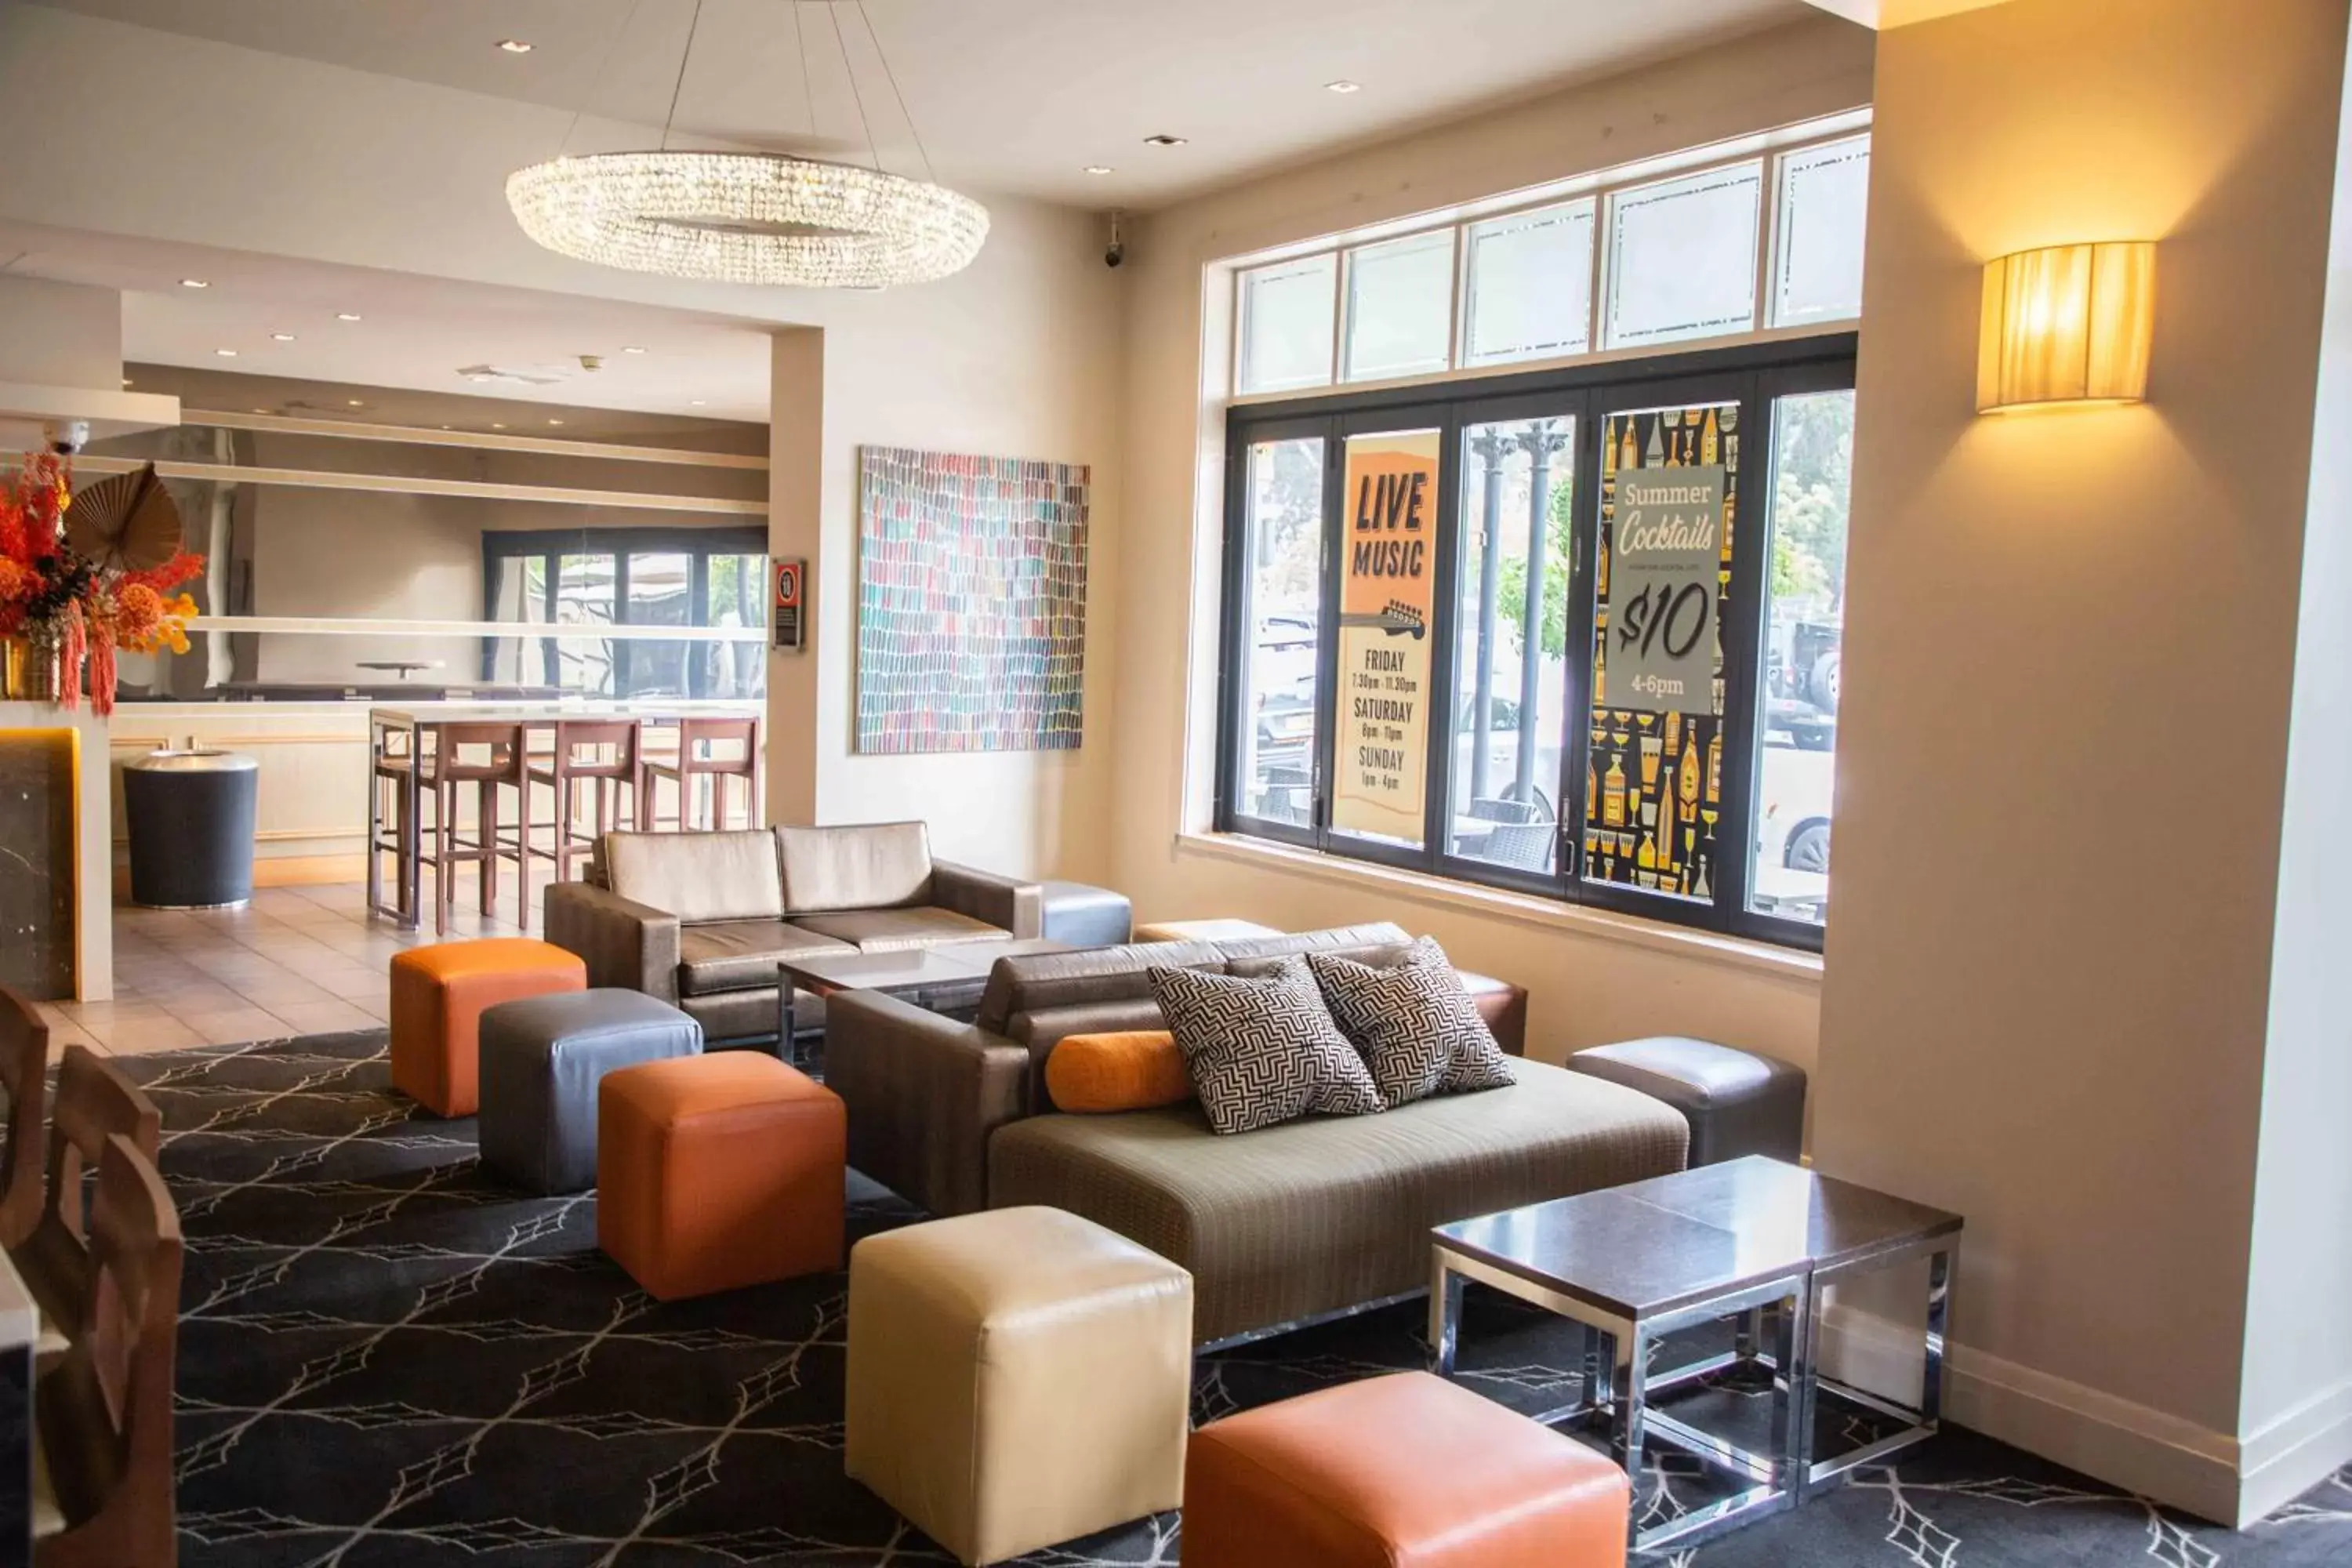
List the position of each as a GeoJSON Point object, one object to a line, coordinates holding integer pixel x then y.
{"type": "Point", "coordinates": [1124, 1069]}
{"type": "Point", "coordinates": [862, 866]}
{"type": "Point", "coordinates": [1330, 1213]}
{"type": "Point", "coordinates": [738, 955]}
{"type": "Point", "coordinates": [697, 877]}
{"type": "Point", "coordinates": [1377, 942]}
{"type": "Point", "coordinates": [1262, 1052]}
{"type": "Point", "coordinates": [901, 930]}
{"type": "Point", "coordinates": [1414, 1022]}
{"type": "Point", "coordinates": [1038, 982]}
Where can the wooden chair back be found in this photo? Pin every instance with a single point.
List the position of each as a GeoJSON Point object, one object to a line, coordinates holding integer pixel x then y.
{"type": "Point", "coordinates": [104, 1414]}
{"type": "Point", "coordinates": [94, 1103]}
{"type": "Point", "coordinates": [24, 1074]}
{"type": "Point", "coordinates": [575, 736]}
{"type": "Point", "coordinates": [478, 754]}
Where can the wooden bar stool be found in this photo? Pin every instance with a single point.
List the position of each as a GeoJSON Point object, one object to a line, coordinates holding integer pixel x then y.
{"type": "Point", "coordinates": [490, 757]}
{"type": "Point", "coordinates": [713, 749]}
{"type": "Point", "coordinates": [606, 752]}
{"type": "Point", "coordinates": [391, 759]}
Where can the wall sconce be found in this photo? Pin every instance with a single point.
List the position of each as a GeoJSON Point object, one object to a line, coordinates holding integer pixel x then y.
{"type": "Point", "coordinates": [2068, 325]}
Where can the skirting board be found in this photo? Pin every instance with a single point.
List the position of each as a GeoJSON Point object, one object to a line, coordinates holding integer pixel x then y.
{"type": "Point", "coordinates": [2213, 1475]}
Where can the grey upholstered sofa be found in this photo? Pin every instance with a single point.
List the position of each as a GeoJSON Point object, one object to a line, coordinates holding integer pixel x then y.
{"type": "Point", "coordinates": [1277, 1225]}
{"type": "Point", "coordinates": [701, 919]}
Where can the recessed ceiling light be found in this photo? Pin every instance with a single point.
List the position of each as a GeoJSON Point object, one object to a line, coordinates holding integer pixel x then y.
{"type": "Point", "coordinates": [194, 283]}
{"type": "Point", "coordinates": [355, 403]}
{"type": "Point", "coordinates": [514, 46]}
{"type": "Point", "coordinates": [695, 402]}
{"type": "Point", "coordinates": [555, 422]}
{"type": "Point", "coordinates": [1099, 169]}
{"type": "Point", "coordinates": [1163, 140]}
{"type": "Point", "coordinates": [225, 353]}
{"type": "Point", "coordinates": [282, 337]}
{"type": "Point", "coordinates": [261, 411]}
{"type": "Point", "coordinates": [495, 425]}
{"type": "Point", "coordinates": [126, 381]}
{"type": "Point", "coordinates": [1343, 85]}
{"type": "Point", "coordinates": [631, 349]}
{"type": "Point", "coordinates": [347, 315]}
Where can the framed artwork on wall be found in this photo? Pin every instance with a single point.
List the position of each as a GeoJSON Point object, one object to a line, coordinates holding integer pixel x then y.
{"type": "Point", "coordinates": [971, 603]}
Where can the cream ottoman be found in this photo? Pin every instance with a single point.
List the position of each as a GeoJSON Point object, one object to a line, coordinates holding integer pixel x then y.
{"type": "Point", "coordinates": [1017, 1378]}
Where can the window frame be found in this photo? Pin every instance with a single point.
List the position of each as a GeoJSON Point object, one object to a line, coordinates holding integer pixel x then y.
{"type": "Point", "coordinates": [1603, 189]}
{"type": "Point", "coordinates": [504, 548]}
{"type": "Point", "coordinates": [1750, 374]}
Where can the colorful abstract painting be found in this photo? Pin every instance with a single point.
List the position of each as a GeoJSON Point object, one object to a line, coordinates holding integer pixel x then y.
{"type": "Point", "coordinates": [971, 603]}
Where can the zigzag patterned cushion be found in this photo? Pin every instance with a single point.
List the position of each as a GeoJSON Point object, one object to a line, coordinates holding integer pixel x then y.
{"type": "Point", "coordinates": [1415, 1022]}
{"type": "Point", "coordinates": [1262, 1051]}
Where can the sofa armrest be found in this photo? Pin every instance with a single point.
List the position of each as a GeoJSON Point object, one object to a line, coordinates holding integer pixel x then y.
{"type": "Point", "coordinates": [624, 943]}
{"type": "Point", "coordinates": [924, 1094]}
{"type": "Point", "coordinates": [1504, 1006]}
{"type": "Point", "coordinates": [1007, 901]}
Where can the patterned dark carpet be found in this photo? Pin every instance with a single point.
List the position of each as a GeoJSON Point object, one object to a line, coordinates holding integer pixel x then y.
{"type": "Point", "coordinates": [389, 1359]}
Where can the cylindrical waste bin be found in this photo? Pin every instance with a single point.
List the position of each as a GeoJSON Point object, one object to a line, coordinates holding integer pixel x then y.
{"type": "Point", "coordinates": [190, 814]}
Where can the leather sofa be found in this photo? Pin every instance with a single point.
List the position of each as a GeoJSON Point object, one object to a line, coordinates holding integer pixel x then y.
{"type": "Point", "coordinates": [1278, 1227]}
{"type": "Point", "coordinates": [702, 919]}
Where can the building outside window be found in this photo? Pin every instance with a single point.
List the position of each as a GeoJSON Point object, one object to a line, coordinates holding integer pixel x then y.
{"type": "Point", "coordinates": [668, 577]}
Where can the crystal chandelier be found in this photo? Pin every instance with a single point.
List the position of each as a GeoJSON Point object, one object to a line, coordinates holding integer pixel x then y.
{"type": "Point", "coordinates": [749, 218]}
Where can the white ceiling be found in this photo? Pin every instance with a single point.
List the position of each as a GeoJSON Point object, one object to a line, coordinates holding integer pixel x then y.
{"type": "Point", "coordinates": [414, 332]}
{"type": "Point", "coordinates": [1009, 96]}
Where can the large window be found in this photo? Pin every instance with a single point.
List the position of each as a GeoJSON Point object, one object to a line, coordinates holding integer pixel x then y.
{"type": "Point", "coordinates": [1522, 631]}
{"type": "Point", "coordinates": [1750, 241]}
{"type": "Point", "coordinates": [633, 577]}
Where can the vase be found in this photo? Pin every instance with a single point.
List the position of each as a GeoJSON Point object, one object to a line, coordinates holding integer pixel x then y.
{"type": "Point", "coordinates": [28, 669]}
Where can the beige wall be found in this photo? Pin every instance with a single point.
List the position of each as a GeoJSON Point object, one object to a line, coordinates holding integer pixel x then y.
{"type": "Point", "coordinates": [1594, 979]}
{"type": "Point", "coordinates": [2295, 1391]}
{"type": "Point", "coordinates": [1020, 361]}
{"type": "Point", "coordinates": [2063, 736]}
{"type": "Point", "coordinates": [60, 334]}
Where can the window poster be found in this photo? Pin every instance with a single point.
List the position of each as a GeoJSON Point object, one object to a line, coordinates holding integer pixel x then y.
{"type": "Point", "coordinates": [1387, 589]}
{"type": "Point", "coordinates": [1654, 785]}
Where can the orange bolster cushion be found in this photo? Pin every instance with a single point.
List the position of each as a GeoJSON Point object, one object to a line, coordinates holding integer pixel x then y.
{"type": "Point", "coordinates": [1134, 1069]}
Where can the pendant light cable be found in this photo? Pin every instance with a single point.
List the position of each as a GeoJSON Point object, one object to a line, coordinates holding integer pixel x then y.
{"type": "Point", "coordinates": [692, 28]}
{"type": "Point", "coordinates": [892, 78]}
{"type": "Point", "coordinates": [872, 148]}
{"type": "Point", "coordinates": [612, 48]}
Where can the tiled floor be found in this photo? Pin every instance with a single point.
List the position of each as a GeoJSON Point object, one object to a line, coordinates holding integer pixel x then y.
{"type": "Point", "coordinates": [298, 961]}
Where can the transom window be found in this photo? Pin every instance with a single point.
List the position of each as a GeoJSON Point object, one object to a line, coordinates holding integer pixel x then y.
{"type": "Point", "coordinates": [1573, 632]}
{"type": "Point", "coordinates": [1755, 244]}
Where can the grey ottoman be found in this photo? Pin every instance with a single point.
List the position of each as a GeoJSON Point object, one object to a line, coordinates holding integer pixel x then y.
{"type": "Point", "coordinates": [1084, 916]}
{"type": "Point", "coordinates": [1735, 1101]}
{"type": "Point", "coordinates": [541, 1059]}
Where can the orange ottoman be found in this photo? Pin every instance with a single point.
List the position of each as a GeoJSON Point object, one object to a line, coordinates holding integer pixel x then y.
{"type": "Point", "coordinates": [1408, 1471]}
{"type": "Point", "coordinates": [438, 996]}
{"type": "Point", "coordinates": [717, 1171]}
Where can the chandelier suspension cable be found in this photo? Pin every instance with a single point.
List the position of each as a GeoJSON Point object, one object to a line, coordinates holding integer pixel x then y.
{"type": "Point", "coordinates": [841, 43]}
{"type": "Point", "coordinates": [693, 26]}
{"type": "Point", "coordinates": [612, 48]}
{"type": "Point", "coordinates": [808, 93]}
{"type": "Point", "coordinates": [892, 78]}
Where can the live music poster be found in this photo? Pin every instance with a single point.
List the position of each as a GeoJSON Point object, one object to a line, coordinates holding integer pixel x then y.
{"type": "Point", "coordinates": [1387, 589]}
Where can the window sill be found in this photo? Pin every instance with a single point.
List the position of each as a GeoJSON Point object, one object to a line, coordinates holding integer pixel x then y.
{"type": "Point", "coordinates": [1711, 947]}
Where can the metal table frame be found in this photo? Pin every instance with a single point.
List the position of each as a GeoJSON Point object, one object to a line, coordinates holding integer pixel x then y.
{"type": "Point", "coordinates": [1616, 1354]}
{"type": "Point", "coordinates": [1920, 1422]}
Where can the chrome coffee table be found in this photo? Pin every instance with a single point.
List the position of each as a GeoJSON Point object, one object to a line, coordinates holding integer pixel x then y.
{"type": "Point", "coordinates": [1756, 1241]}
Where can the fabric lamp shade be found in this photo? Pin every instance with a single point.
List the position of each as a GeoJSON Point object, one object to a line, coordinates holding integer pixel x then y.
{"type": "Point", "coordinates": [2067, 324]}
